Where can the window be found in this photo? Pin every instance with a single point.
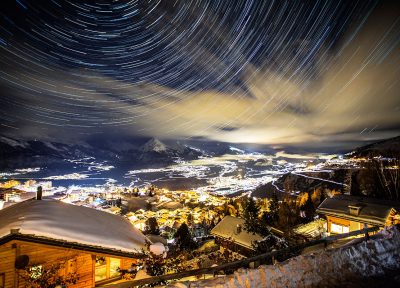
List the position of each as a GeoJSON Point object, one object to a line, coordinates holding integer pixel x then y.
{"type": "Point", "coordinates": [339, 229]}
{"type": "Point", "coordinates": [106, 267]}
{"type": "Point", "coordinates": [100, 269]}
{"type": "Point", "coordinates": [114, 267]}
{"type": "Point", "coordinates": [36, 271]}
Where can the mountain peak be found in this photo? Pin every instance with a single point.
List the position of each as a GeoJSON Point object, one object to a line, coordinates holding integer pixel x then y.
{"type": "Point", "coordinates": [154, 145]}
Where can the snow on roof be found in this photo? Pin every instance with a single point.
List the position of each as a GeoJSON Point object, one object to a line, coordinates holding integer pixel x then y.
{"type": "Point", "coordinates": [371, 210]}
{"type": "Point", "coordinates": [173, 205]}
{"type": "Point", "coordinates": [228, 228]}
{"type": "Point", "coordinates": [66, 222]}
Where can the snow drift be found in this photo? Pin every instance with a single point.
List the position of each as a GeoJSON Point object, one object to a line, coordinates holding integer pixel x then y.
{"type": "Point", "coordinates": [322, 269]}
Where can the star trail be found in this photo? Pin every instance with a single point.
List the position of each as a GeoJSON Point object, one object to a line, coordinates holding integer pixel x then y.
{"type": "Point", "coordinates": [249, 71]}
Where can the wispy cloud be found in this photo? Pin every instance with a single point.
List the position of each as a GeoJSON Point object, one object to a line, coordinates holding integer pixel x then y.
{"type": "Point", "coordinates": [355, 97]}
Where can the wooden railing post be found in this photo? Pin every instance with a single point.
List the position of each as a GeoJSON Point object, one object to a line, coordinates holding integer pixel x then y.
{"type": "Point", "coordinates": [366, 233]}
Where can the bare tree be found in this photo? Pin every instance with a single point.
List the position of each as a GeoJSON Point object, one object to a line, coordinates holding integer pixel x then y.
{"type": "Point", "coordinates": [381, 177]}
{"type": "Point", "coordinates": [388, 171]}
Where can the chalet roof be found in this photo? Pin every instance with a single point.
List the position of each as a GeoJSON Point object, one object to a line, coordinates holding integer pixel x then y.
{"type": "Point", "coordinates": [172, 205]}
{"type": "Point", "coordinates": [371, 211]}
{"type": "Point", "coordinates": [227, 229]}
{"type": "Point", "coordinates": [56, 221]}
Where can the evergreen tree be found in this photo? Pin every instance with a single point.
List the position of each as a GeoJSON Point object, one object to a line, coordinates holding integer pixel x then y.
{"type": "Point", "coordinates": [288, 213]}
{"type": "Point", "coordinates": [183, 238]}
{"type": "Point", "coordinates": [309, 209]}
{"type": "Point", "coordinates": [272, 216]}
{"type": "Point", "coordinates": [152, 226]}
{"type": "Point", "coordinates": [250, 216]}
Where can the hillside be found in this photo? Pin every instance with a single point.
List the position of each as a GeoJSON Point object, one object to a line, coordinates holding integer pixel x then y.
{"type": "Point", "coordinates": [304, 182]}
{"type": "Point", "coordinates": [385, 148]}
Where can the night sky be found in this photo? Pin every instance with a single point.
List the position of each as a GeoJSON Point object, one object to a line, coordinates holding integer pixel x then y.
{"type": "Point", "coordinates": [309, 73]}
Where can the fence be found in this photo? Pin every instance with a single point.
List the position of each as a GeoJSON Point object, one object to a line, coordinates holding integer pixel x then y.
{"type": "Point", "coordinates": [240, 263]}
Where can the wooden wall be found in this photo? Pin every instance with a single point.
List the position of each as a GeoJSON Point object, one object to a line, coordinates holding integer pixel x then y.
{"type": "Point", "coordinates": [7, 258]}
{"type": "Point", "coordinates": [353, 225]}
{"type": "Point", "coordinates": [80, 261]}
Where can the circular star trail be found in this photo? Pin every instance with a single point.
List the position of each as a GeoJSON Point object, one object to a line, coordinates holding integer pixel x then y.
{"type": "Point", "coordinates": [217, 69]}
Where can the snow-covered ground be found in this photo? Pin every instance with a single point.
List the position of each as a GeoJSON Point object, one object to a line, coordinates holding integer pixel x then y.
{"type": "Point", "coordinates": [223, 174]}
{"type": "Point", "coordinates": [342, 267]}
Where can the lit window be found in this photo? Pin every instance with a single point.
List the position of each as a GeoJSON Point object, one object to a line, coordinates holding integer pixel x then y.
{"type": "Point", "coordinates": [106, 267]}
{"type": "Point", "coordinates": [100, 269]}
{"type": "Point", "coordinates": [36, 271]}
{"type": "Point", "coordinates": [114, 266]}
{"type": "Point", "coordinates": [339, 229]}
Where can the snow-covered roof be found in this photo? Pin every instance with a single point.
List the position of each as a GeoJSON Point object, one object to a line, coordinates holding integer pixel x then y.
{"type": "Point", "coordinates": [55, 220]}
{"type": "Point", "coordinates": [173, 205]}
{"type": "Point", "coordinates": [228, 228]}
{"type": "Point", "coordinates": [374, 211]}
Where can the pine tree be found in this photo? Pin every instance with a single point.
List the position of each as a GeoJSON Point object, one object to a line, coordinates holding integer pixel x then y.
{"type": "Point", "coordinates": [183, 238]}
{"type": "Point", "coordinates": [152, 226]}
{"type": "Point", "coordinates": [250, 216]}
{"type": "Point", "coordinates": [309, 209]}
{"type": "Point", "coordinates": [272, 216]}
{"type": "Point", "coordinates": [288, 213]}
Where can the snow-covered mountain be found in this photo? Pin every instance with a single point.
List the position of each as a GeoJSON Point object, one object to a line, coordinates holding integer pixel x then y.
{"type": "Point", "coordinates": [154, 145]}
{"type": "Point", "coordinates": [154, 151]}
{"type": "Point", "coordinates": [118, 152]}
{"type": "Point", "coordinates": [22, 154]}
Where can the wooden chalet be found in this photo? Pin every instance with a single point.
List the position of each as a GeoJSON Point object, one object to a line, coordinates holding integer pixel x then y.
{"type": "Point", "coordinates": [93, 245]}
{"type": "Point", "coordinates": [230, 233]}
{"type": "Point", "coordinates": [346, 213]}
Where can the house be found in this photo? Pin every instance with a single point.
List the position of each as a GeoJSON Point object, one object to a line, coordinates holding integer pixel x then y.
{"type": "Point", "coordinates": [230, 233]}
{"type": "Point", "coordinates": [346, 213]}
{"type": "Point", "coordinates": [90, 244]}
{"type": "Point", "coordinates": [12, 195]}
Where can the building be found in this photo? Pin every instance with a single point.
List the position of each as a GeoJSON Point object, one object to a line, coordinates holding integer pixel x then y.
{"type": "Point", "coordinates": [230, 233]}
{"type": "Point", "coordinates": [36, 234]}
{"type": "Point", "coordinates": [346, 213]}
{"type": "Point", "coordinates": [12, 195]}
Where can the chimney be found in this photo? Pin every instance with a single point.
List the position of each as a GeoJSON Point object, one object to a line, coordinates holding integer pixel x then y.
{"type": "Point", "coordinates": [355, 209]}
{"type": "Point", "coordinates": [39, 193]}
{"type": "Point", "coordinates": [14, 230]}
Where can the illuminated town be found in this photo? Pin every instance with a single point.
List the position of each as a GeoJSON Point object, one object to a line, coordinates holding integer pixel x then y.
{"type": "Point", "coordinates": [160, 213]}
{"type": "Point", "coordinates": [199, 143]}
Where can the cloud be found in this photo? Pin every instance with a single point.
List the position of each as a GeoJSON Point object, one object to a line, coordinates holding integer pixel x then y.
{"type": "Point", "coordinates": [354, 97]}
